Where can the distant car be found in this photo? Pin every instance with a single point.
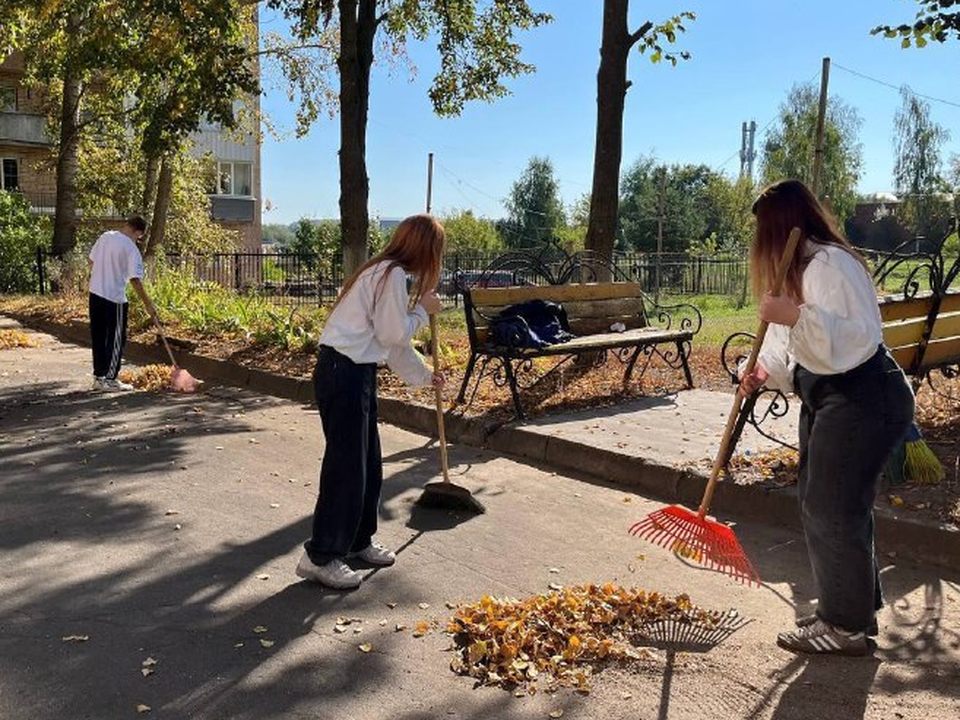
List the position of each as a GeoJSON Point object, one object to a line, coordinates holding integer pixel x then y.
{"type": "Point", "coordinates": [479, 279]}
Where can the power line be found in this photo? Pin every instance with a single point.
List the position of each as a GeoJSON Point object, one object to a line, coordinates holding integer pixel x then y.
{"type": "Point", "coordinates": [951, 103]}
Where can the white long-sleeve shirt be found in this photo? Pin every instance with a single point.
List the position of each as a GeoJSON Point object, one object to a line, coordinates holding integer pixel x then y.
{"type": "Point", "coordinates": [376, 330]}
{"type": "Point", "coordinates": [839, 326]}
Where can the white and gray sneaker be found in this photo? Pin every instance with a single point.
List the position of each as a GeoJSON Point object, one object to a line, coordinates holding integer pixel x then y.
{"type": "Point", "coordinates": [375, 554]}
{"type": "Point", "coordinates": [99, 383]}
{"type": "Point", "coordinates": [334, 574]}
{"type": "Point", "coordinates": [110, 385]}
{"type": "Point", "coordinates": [810, 619]}
{"type": "Point", "coordinates": [822, 638]}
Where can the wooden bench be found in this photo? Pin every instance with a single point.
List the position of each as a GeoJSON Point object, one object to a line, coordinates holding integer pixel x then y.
{"type": "Point", "coordinates": [923, 333]}
{"type": "Point", "coordinates": [591, 308]}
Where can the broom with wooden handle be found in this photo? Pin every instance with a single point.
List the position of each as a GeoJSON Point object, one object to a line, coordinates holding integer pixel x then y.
{"type": "Point", "coordinates": [693, 535]}
{"type": "Point", "coordinates": [443, 493]}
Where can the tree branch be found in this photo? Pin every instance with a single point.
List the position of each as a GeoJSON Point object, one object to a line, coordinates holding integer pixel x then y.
{"type": "Point", "coordinates": [643, 30]}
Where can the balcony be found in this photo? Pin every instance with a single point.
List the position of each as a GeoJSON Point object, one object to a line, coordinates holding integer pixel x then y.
{"type": "Point", "coordinates": [23, 129]}
{"type": "Point", "coordinates": [229, 208]}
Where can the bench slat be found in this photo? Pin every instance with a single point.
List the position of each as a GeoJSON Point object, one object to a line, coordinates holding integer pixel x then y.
{"type": "Point", "coordinates": [639, 336]}
{"type": "Point", "coordinates": [900, 334]}
{"type": "Point", "coordinates": [941, 352]}
{"type": "Point", "coordinates": [900, 309]}
{"type": "Point", "coordinates": [904, 355]}
{"type": "Point", "coordinates": [946, 326]}
{"type": "Point", "coordinates": [502, 297]}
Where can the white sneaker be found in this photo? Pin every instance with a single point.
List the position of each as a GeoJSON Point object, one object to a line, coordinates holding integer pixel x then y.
{"type": "Point", "coordinates": [116, 385]}
{"type": "Point", "coordinates": [334, 574]}
{"type": "Point", "coordinates": [375, 554]}
{"type": "Point", "coordinates": [99, 383]}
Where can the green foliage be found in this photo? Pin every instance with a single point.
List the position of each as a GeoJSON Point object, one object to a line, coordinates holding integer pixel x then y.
{"type": "Point", "coordinates": [788, 149]}
{"type": "Point", "coordinates": [281, 235]}
{"type": "Point", "coordinates": [210, 310]}
{"type": "Point", "coordinates": [317, 242]}
{"type": "Point", "coordinates": [689, 214]}
{"type": "Point", "coordinates": [466, 232]}
{"type": "Point", "coordinates": [652, 36]}
{"type": "Point", "coordinates": [935, 21]}
{"type": "Point", "coordinates": [21, 233]}
{"type": "Point", "coordinates": [924, 204]}
{"type": "Point", "coordinates": [534, 209]}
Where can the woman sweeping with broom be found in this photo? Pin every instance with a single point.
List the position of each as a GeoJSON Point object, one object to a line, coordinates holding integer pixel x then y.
{"type": "Point", "coordinates": [825, 344]}
{"type": "Point", "coordinates": [370, 323]}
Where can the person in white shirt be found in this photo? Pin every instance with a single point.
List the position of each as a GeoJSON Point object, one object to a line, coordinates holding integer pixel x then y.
{"type": "Point", "coordinates": [115, 261]}
{"type": "Point", "coordinates": [825, 343]}
{"type": "Point", "coordinates": [373, 321]}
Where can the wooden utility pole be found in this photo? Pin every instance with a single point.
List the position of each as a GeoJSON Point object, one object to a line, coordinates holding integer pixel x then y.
{"type": "Point", "coordinates": [429, 182]}
{"type": "Point", "coordinates": [821, 118]}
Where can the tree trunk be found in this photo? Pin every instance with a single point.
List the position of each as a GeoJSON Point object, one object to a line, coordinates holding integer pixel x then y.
{"type": "Point", "coordinates": [150, 187]}
{"type": "Point", "coordinates": [65, 215]}
{"type": "Point", "coordinates": [358, 25]}
{"type": "Point", "coordinates": [611, 95]}
{"type": "Point", "coordinates": [161, 209]}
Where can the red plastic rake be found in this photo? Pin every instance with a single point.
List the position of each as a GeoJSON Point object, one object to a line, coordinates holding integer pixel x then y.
{"type": "Point", "coordinates": [692, 535]}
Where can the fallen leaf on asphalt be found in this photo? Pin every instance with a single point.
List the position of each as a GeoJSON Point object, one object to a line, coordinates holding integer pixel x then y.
{"type": "Point", "coordinates": [554, 570]}
{"type": "Point", "coordinates": [10, 339]}
{"type": "Point", "coordinates": [149, 662]}
{"type": "Point", "coordinates": [141, 708]}
{"type": "Point", "coordinates": [628, 499]}
{"type": "Point", "coordinates": [896, 500]}
{"type": "Point", "coordinates": [266, 643]}
{"type": "Point", "coordinates": [238, 645]}
{"type": "Point", "coordinates": [400, 627]}
{"type": "Point", "coordinates": [626, 695]}
{"type": "Point", "coordinates": [556, 713]}
{"type": "Point", "coordinates": [555, 586]}
{"type": "Point", "coordinates": [365, 648]}
{"type": "Point", "coordinates": [147, 671]}
{"type": "Point", "coordinates": [342, 620]}
{"type": "Point", "coordinates": [383, 623]}
{"type": "Point", "coordinates": [253, 441]}
{"type": "Point", "coordinates": [421, 628]}
{"type": "Point", "coordinates": [178, 526]}
{"type": "Point", "coordinates": [263, 576]}
{"type": "Point", "coordinates": [391, 605]}
{"type": "Point", "coordinates": [75, 638]}
{"type": "Point", "coordinates": [260, 629]}
{"type": "Point", "coordinates": [357, 631]}
{"type": "Point", "coordinates": [172, 512]}
{"type": "Point", "coordinates": [450, 605]}
{"type": "Point", "coordinates": [423, 606]}
{"type": "Point", "coordinates": [274, 505]}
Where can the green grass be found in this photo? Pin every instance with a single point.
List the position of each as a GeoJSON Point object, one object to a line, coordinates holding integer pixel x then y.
{"type": "Point", "coordinates": [721, 316]}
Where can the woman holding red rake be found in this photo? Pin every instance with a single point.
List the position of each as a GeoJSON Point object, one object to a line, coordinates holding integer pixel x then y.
{"type": "Point", "coordinates": [825, 344]}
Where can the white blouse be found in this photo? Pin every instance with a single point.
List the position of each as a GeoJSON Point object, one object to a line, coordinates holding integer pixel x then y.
{"type": "Point", "coordinates": [839, 326]}
{"type": "Point", "coordinates": [377, 330]}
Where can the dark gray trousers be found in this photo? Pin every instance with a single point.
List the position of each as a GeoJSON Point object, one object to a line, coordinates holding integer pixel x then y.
{"type": "Point", "coordinates": [351, 474]}
{"type": "Point", "coordinates": [849, 424]}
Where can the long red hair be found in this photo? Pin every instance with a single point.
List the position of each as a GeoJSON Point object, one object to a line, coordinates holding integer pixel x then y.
{"type": "Point", "coordinates": [417, 247]}
{"type": "Point", "coordinates": [782, 206]}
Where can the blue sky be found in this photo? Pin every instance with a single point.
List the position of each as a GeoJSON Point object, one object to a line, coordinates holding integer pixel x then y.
{"type": "Point", "coordinates": [746, 56]}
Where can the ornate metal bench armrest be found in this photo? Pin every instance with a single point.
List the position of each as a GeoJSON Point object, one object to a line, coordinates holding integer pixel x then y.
{"type": "Point", "coordinates": [681, 316]}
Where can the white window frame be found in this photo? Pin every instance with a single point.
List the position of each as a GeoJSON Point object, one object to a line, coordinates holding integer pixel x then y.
{"type": "Point", "coordinates": [3, 180]}
{"type": "Point", "coordinates": [226, 170]}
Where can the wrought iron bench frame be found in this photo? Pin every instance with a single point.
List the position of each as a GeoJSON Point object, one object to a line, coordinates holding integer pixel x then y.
{"type": "Point", "coordinates": [675, 325]}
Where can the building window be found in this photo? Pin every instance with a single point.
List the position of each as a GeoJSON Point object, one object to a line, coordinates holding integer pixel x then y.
{"type": "Point", "coordinates": [10, 176]}
{"type": "Point", "coordinates": [8, 99]}
{"type": "Point", "coordinates": [234, 178]}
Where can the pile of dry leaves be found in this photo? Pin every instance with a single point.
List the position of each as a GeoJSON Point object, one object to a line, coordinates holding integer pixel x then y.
{"type": "Point", "coordinates": [559, 638]}
{"type": "Point", "coordinates": [10, 339]}
{"type": "Point", "coordinates": [152, 378]}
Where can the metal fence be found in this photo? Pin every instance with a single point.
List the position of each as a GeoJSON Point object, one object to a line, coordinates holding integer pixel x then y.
{"type": "Point", "coordinates": [294, 280]}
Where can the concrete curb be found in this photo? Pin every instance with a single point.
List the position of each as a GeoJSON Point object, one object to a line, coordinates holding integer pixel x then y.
{"type": "Point", "coordinates": [934, 543]}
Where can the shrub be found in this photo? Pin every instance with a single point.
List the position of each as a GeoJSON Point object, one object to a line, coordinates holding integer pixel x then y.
{"type": "Point", "coordinates": [21, 233]}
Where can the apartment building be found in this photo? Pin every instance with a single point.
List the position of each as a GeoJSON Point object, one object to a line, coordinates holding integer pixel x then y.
{"type": "Point", "coordinates": [28, 165]}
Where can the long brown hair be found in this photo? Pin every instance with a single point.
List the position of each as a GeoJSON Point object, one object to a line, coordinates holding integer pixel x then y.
{"type": "Point", "coordinates": [417, 247]}
{"type": "Point", "coordinates": [782, 206]}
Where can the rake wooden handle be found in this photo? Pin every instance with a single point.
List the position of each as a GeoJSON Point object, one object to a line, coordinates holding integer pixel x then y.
{"type": "Point", "coordinates": [163, 337]}
{"type": "Point", "coordinates": [722, 455]}
{"type": "Point", "coordinates": [438, 395]}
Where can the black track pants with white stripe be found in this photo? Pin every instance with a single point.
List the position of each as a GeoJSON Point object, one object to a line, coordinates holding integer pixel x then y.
{"type": "Point", "coordinates": [108, 332]}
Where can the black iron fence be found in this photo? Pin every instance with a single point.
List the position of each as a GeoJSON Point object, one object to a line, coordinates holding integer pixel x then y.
{"type": "Point", "coordinates": [293, 279]}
